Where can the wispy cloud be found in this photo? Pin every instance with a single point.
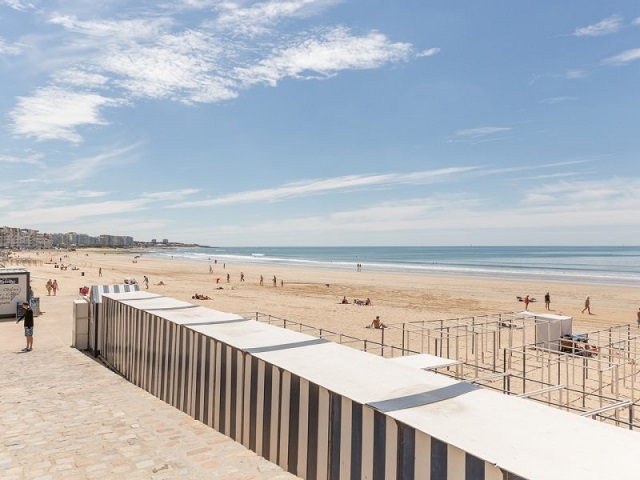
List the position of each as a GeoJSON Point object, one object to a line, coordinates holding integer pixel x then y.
{"type": "Point", "coordinates": [68, 213]}
{"type": "Point", "coordinates": [259, 17]}
{"type": "Point", "coordinates": [66, 195]}
{"type": "Point", "coordinates": [153, 55]}
{"type": "Point", "coordinates": [481, 131]}
{"type": "Point", "coordinates": [55, 113]}
{"type": "Point", "coordinates": [316, 187]}
{"type": "Point", "coordinates": [557, 205]}
{"type": "Point", "coordinates": [9, 49]}
{"type": "Point", "coordinates": [624, 58]}
{"type": "Point", "coordinates": [171, 195]}
{"type": "Point", "coordinates": [85, 167]}
{"type": "Point", "coordinates": [556, 100]}
{"type": "Point", "coordinates": [21, 5]}
{"type": "Point", "coordinates": [324, 56]}
{"type": "Point", "coordinates": [572, 74]}
{"type": "Point", "coordinates": [430, 52]}
{"type": "Point", "coordinates": [636, 22]}
{"type": "Point", "coordinates": [34, 159]}
{"type": "Point", "coordinates": [60, 206]}
{"type": "Point", "coordinates": [74, 77]}
{"type": "Point", "coordinates": [608, 26]}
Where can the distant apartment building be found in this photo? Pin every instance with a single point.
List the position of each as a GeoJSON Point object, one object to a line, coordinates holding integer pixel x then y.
{"type": "Point", "coordinates": [83, 240]}
{"type": "Point", "coordinates": [26, 239]}
{"type": "Point", "coordinates": [14, 238]}
{"type": "Point", "coordinates": [115, 241]}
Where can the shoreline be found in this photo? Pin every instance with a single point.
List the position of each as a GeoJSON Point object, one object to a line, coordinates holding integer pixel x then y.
{"type": "Point", "coordinates": [312, 296]}
{"type": "Point", "coordinates": [538, 275]}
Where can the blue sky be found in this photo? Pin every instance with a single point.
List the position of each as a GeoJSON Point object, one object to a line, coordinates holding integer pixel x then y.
{"type": "Point", "coordinates": [323, 122]}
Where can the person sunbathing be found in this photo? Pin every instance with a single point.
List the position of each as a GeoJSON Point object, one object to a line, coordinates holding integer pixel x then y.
{"type": "Point", "coordinates": [197, 296]}
{"type": "Point", "coordinates": [376, 323]}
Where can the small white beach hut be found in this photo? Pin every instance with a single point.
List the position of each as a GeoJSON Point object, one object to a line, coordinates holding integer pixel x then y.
{"type": "Point", "coordinates": [550, 328]}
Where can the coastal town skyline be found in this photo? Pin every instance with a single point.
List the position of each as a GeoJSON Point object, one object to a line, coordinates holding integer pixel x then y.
{"type": "Point", "coordinates": [322, 122]}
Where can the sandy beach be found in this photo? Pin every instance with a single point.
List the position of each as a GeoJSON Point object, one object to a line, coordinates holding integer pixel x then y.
{"type": "Point", "coordinates": [312, 296]}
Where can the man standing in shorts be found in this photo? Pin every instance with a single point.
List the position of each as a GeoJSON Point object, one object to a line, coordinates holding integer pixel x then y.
{"type": "Point", "coordinates": [28, 326]}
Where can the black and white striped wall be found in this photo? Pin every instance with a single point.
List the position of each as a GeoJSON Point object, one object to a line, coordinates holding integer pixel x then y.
{"type": "Point", "coordinates": [324, 411]}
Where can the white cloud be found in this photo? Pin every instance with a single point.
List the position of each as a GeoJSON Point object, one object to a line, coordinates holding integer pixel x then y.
{"type": "Point", "coordinates": [171, 195]}
{"type": "Point", "coordinates": [556, 100]}
{"type": "Point", "coordinates": [315, 187]}
{"type": "Point", "coordinates": [65, 195]}
{"type": "Point", "coordinates": [257, 18]}
{"type": "Point", "coordinates": [54, 113]}
{"type": "Point", "coordinates": [85, 167]}
{"type": "Point", "coordinates": [61, 206]}
{"type": "Point", "coordinates": [481, 131]}
{"type": "Point", "coordinates": [573, 74]}
{"type": "Point", "coordinates": [636, 21]}
{"type": "Point", "coordinates": [333, 51]}
{"type": "Point", "coordinates": [625, 57]}
{"type": "Point", "coordinates": [76, 77]}
{"type": "Point", "coordinates": [21, 5]}
{"type": "Point", "coordinates": [610, 25]}
{"type": "Point", "coordinates": [68, 213]}
{"type": "Point", "coordinates": [27, 159]}
{"type": "Point", "coordinates": [558, 205]}
{"type": "Point", "coordinates": [114, 31]}
{"type": "Point", "coordinates": [8, 49]}
{"type": "Point", "coordinates": [114, 62]}
{"type": "Point", "coordinates": [181, 67]}
{"type": "Point", "coordinates": [428, 53]}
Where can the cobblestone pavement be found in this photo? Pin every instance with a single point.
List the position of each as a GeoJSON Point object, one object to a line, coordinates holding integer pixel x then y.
{"type": "Point", "coordinates": [65, 416]}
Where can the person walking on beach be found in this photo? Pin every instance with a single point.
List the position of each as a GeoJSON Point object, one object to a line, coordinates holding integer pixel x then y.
{"type": "Point", "coordinates": [526, 302]}
{"type": "Point", "coordinates": [228, 278]}
{"type": "Point", "coordinates": [275, 281]}
{"type": "Point", "coordinates": [145, 280]}
{"type": "Point", "coordinates": [27, 316]}
{"type": "Point", "coordinates": [261, 280]}
{"type": "Point", "coordinates": [100, 272]}
{"type": "Point", "coordinates": [49, 287]}
{"type": "Point", "coordinates": [547, 301]}
{"type": "Point", "coordinates": [242, 276]}
{"type": "Point", "coordinates": [587, 305]}
{"type": "Point", "coordinates": [55, 287]}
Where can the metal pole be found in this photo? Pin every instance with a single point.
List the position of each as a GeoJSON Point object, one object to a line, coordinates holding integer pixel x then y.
{"type": "Point", "coordinates": [495, 352]}
{"type": "Point", "coordinates": [403, 333]}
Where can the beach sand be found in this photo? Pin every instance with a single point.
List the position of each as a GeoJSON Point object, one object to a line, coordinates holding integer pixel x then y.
{"type": "Point", "coordinates": [313, 296]}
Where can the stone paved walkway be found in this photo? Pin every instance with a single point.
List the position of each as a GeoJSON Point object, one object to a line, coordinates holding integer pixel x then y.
{"type": "Point", "coordinates": [64, 416]}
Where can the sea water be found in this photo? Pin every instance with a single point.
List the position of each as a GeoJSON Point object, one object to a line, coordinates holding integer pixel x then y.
{"type": "Point", "coordinates": [606, 265]}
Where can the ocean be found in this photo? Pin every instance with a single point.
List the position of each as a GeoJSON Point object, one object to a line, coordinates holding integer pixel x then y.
{"type": "Point", "coordinates": [603, 265]}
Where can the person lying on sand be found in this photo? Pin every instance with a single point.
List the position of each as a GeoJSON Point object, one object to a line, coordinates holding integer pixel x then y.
{"type": "Point", "coordinates": [197, 296]}
{"type": "Point", "coordinates": [161, 283]}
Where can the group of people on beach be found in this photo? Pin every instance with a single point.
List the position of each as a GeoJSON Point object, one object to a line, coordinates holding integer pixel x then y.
{"type": "Point", "coordinates": [356, 301]}
{"type": "Point", "coordinates": [198, 296]}
{"type": "Point", "coordinates": [52, 287]}
{"type": "Point", "coordinates": [547, 303]}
